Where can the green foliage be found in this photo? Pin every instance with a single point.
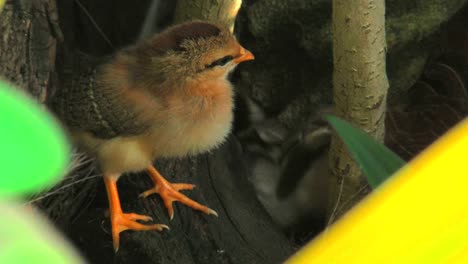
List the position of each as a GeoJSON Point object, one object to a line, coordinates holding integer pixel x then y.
{"type": "Point", "coordinates": [28, 238]}
{"type": "Point", "coordinates": [33, 155]}
{"type": "Point", "coordinates": [34, 152]}
{"type": "Point", "coordinates": [377, 162]}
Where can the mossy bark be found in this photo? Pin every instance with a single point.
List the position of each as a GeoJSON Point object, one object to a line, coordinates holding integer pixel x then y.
{"type": "Point", "coordinates": [359, 89]}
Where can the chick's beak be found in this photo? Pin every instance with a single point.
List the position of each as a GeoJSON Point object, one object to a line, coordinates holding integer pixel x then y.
{"type": "Point", "coordinates": [244, 55]}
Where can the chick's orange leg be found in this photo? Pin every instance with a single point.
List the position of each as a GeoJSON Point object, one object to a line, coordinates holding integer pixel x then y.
{"type": "Point", "coordinates": [169, 192]}
{"type": "Point", "coordinates": [124, 221]}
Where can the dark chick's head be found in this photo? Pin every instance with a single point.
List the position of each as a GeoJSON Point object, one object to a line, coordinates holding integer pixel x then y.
{"type": "Point", "coordinates": [194, 50]}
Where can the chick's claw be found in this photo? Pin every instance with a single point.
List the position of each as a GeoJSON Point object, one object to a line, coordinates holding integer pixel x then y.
{"type": "Point", "coordinates": [182, 186]}
{"type": "Point", "coordinates": [175, 186]}
{"type": "Point", "coordinates": [170, 192]}
{"type": "Point", "coordinates": [133, 217]}
{"type": "Point", "coordinates": [122, 221]}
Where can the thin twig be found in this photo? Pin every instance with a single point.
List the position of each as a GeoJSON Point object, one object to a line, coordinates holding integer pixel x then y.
{"type": "Point", "coordinates": [343, 205]}
{"type": "Point", "coordinates": [335, 208]}
{"type": "Point", "coordinates": [79, 160]}
{"type": "Point", "coordinates": [62, 188]}
{"type": "Point", "coordinates": [94, 23]}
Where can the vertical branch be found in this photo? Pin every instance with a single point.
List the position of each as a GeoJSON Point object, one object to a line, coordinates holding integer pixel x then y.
{"type": "Point", "coordinates": [224, 11]}
{"type": "Point", "coordinates": [359, 89]}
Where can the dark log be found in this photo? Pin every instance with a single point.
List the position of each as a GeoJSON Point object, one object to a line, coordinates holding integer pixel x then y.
{"type": "Point", "coordinates": [243, 232]}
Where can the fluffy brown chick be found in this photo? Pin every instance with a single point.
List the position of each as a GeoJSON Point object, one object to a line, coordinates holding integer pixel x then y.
{"type": "Point", "coordinates": [167, 96]}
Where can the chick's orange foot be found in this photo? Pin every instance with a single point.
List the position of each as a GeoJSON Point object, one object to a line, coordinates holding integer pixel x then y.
{"type": "Point", "coordinates": [128, 221]}
{"type": "Point", "coordinates": [125, 221]}
{"type": "Point", "coordinates": [169, 193]}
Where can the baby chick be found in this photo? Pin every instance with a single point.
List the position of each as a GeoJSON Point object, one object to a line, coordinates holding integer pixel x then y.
{"type": "Point", "coordinates": [167, 96]}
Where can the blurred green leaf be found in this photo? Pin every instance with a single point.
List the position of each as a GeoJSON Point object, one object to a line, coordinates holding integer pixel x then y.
{"type": "Point", "coordinates": [34, 150]}
{"type": "Point", "coordinates": [33, 155]}
{"type": "Point", "coordinates": [27, 237]}
{"type": "Point", "coordinates": [377, 162]}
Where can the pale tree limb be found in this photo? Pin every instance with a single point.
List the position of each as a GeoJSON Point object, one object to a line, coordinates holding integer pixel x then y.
{"type": "Point", "coordinates": [224, 11]}
{"type": "Point", "coordinates": [359, 89]}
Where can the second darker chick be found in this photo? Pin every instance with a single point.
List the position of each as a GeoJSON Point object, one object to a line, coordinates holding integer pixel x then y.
{"type": "Point", "coordinates": [289, 168]}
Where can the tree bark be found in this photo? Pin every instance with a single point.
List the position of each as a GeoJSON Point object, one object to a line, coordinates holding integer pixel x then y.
{"type": "Point", "coordinates": [359, 89]}
{"type": "Point", "coordinates": [224, 11]}
{"type": "Point", "coordinates": [30, 33]}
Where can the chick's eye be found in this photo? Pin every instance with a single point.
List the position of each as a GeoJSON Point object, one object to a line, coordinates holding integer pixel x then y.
{"type": "Point", "coordinates": [220, 62]}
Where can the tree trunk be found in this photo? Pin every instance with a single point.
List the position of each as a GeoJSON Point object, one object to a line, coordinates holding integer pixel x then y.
{"type": "Point", "coordinates": [359, 89]}
{"type": "Point", "coordinates": [30, 33]}
{"type": "Point", "coordinates": [224, 11]}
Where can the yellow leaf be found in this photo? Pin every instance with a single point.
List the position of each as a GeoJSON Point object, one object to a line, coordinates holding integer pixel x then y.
{"type": "Point", "coordinates": [419, 215]}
